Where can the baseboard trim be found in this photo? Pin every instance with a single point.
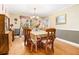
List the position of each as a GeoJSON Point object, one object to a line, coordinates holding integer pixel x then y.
{"type": "Point", "coordinates": [68, 42]}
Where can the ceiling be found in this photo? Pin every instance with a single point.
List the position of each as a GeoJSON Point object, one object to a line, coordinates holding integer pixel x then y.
{"type": "Point", "coordinates": [41, 9]}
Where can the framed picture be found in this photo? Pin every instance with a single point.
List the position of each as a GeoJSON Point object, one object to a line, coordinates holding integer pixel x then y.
{"type": "Point", "coordinates": [61, 19]}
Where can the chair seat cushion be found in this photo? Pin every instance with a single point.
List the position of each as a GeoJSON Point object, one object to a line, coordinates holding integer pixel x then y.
{"type": "Point", "coordinates": [43, 41]}
{"type": "Point", "coordinates": [46, 41]}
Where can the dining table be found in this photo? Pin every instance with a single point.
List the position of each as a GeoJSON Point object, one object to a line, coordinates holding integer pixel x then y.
{"type": "Point", "coordinates": [37, 34]}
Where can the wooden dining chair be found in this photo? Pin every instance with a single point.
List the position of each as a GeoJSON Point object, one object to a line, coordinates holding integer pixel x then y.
{"type": "Point", "coordinates": [48, 41]}
{"type": "Point", "coordinates": [27, 38]}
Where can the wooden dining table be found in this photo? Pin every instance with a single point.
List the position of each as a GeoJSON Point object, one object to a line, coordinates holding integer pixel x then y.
{"type": "Point", "coordinates": [35, 35]}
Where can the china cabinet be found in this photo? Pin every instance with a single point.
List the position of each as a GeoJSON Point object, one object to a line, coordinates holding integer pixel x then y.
{"type": "Point", "coordinates": [4, 42]}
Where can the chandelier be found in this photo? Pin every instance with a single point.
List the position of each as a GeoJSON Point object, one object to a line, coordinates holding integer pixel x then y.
{"type": "Point", "coordinates": [35, 16]}
{"type": "Point", "coordinates": [36, 19]}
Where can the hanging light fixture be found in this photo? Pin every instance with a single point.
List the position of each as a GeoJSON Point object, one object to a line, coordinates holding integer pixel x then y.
{"type": "Point", "coordinates": [34, 13]}
{"type": "Point", "coordinates": [35, 16]}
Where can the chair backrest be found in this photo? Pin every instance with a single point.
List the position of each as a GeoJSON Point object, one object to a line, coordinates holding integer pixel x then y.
{"type": "Point", "coordinates": [27, 33]}
{"type": "Point", "coordinates": [51, 32]}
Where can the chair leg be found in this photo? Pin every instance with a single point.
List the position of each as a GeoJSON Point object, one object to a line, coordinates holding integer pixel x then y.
{"type": "Point", "coordinates": [46, 48]}
{"type": "Point", "coordinates": [52, 48]}
{"type": "Point", "coordinates": [31, 47]}
{"type": "Point", "coordinates": [25, 42]}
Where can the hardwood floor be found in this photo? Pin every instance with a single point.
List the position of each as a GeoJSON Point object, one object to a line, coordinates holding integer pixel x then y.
{"type": "Point", "coordinates": [60, 48]}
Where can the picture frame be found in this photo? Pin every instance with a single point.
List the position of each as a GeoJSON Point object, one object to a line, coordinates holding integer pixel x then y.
{"type": "Point", "coordinates": [61, 19]}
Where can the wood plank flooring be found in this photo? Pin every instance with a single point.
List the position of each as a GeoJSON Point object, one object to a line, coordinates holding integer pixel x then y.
{"type": "Point", "coordinates": [60, 48]}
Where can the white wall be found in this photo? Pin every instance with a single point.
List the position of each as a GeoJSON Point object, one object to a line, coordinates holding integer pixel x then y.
{"type": "Point", "coordinates": [72, 18]}
{"type": "Point", "coordinates": [3, 11]}
{"type": "Point", "coordinates": [12, 17]}
{"type": "Point", "coordinates": [52, 21]}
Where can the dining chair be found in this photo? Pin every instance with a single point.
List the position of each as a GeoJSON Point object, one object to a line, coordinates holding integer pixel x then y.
{"type": "Point", "coordinates": [48, 41]}
{"type": "Point", "coordinates": [27, 38]}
